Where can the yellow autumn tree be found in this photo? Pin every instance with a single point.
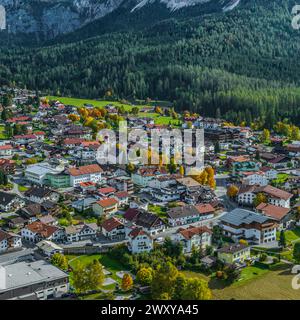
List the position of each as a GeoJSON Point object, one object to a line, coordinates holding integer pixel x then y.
{"type": "Point", "coordinates": [181, 170]}
{"type": "Point", "coordinates": [211, 177]}
{"type": "Point", "coordinates": [127, 282]}
{"type": "Point", "coordinates": [232, 191]}
{"type": "Point", "coordinates": [260, 198]}
{"type": "Point", "coordinates": [73, 117]}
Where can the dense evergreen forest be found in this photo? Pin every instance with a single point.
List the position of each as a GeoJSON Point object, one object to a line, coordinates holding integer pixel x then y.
{"type": "Point", "coordinates": [243, 65]}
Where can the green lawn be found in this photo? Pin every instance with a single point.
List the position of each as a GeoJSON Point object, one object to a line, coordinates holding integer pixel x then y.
{"type": "Point", "coordinates": [270, 285]}
{"type": "Point", "coordinates": [161, 120]}
{"type": "Point", "coordinates": [158, 210]}
{"type": "Point", "coordinates": [96, 103]}
{"type": "Point", "coordinates": [291, 235]}
{"type": "Point", "coordinates": [281, 178]}
{"type": "Point", "coordinates": [2, 133]}
{"type": "Point", "coordinates": [250, 273]}
{"type": "Point", "coordinates": [109, 264]}
{"type": "Point", "coordinates": [255, 283]}
{"type": "Point", "coordinates": [22, 188]}
{"type": "Point", "coordinates": [192, 274]}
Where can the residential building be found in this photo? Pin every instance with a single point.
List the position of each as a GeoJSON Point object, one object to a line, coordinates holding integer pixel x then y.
{"type": "Point", "coordinates": [9, 201]}
{"type": "Point", "coordinates": [107, 206]}
{"type": "Point", "coordinates": [49, 248]}
{"type": "Point", "coordinates": [6, 150]}
{"type": "Point", "coordinates": [275, 196]}
{"type": "Point", "coordinates": [270, 173]}
{"type": "Point", "coordinates": [113, 229]}
{"type": "Point", "coordinates": [9, 240]}
{"type": "Point", "coordinates": [193, 237]}
{"type": "Point", "coordinates": [7, 166]}
{"type": "Point", "coordinates": [89, 173]}
{"type": "Point", "coordinates": [139, 241]}
{"type": "Point", "coordinates": [38, 231]}
{"type": "Point", "coordinates": [234, 253]}
{"type": "Point", "coordinates": [38, 280]}
{"type": "Point", "coordinates": [149, 222]}
{"type": "Point", "coordinates": [143, 176]}
{"type": "Point", "coordinates": [183, 215]}
{"type": "Point", "coordinates": [255, 178]}
{"type": "Point", "coordinates": [283, 216]}
{"type": "Point", "coordinates": [122, 197]}
{"type": "Point", "coordinates": [81, 232]}
{"type": "Point", "coordinates": [122, 183]}
{"type": "Point", "coordinates": [253, 227]}
{"type": "Point", "coordinates": [39, 194]}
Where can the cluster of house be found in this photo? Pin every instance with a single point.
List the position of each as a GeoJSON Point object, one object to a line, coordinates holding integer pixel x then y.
{"type": "Point", "coordinates": [141, 206]}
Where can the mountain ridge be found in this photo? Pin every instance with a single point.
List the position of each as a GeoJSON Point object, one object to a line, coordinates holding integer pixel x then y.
{"type": "Point", "coordinates": [47, 19]}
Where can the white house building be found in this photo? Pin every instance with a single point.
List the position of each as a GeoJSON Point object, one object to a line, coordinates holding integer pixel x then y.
{"type": "Point", "coordinates": [39, 194]}
{"type": "Point", "coordinates": [38, 231]}
{"type": "Point", "coordinates": [139, 241]}
{"type": "Point", "coordinates": [113, 229]}
{"type": "Point", "coordinates": [275, 196]}
{"type": "Point", "coordinates": [49, 248]}
{"type": "Point", "coordinates": [193, 237]}
{"type": "Point", "coordinates": [188, 214]}
{"type": "Point", "coordinates": [255, 178]}
{"type": "Point", "coordinates": [89, 173]}
{"type": "Point", "coordinates": [144, 175]}
{"type": "Point", "coordinates": [6, 150]}
{"type": "Point", "coordinates": [81, 232]}
{"type": "Point", "coordinates": [9, 201]}
{"type": "Point", "coordinates": [9, 240]}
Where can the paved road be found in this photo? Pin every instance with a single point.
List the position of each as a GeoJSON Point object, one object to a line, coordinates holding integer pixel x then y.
{"type": "Point", "coordinates": [221, 192]}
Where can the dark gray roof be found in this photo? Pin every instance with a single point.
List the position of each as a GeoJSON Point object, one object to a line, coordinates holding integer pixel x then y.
{"type": "Point", "coordinates": [233, 248]}
{"type": "Point", "coordinates": [239, 216]}
{"type": "Point", "coordinates": [180, 212]}
{"type": "Point", "coordinates": [6, 198]}
{"type": "Point", "coordinates": [39, 192]}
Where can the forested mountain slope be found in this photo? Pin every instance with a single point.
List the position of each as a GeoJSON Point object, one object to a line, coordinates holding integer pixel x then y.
{"type": "Point", "coordinates": [244, 62]}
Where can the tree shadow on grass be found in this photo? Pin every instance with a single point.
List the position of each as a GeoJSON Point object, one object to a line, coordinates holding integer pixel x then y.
{"type": "Point", "coordinates": [217, 284]}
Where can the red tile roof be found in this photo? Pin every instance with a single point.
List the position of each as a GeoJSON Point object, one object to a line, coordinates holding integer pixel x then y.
{"type": "Point", "coordinates": [89, 169]}
{"type": "Point", "coordinates": [71, 141]}
{"type": "Point", "coordinates": [107, 190]}
{"type": "Point", "coordinates": [273, 211]}
{"type": "Point", "coordinates": [137, 232]}
{"type": "Point", "coordinates": [122, 194]}
{"type": "Point", "coordinates": [25, 136]}
{"type": "Point", "coordinates": [205, 208]}
{"type": "Point", "coordinates": [90, 143]}
{"type": "Point", "coordinates": [42, 229]}
{"type": "Point", "coordinates": [6, 147]}
{"type": "Point", "coordinates": [275, 192]}
{"type": "Point", "coordinates": [111, 224]}
{"type": "Point", "coordinates": [109, 202]}
{"type": "Point", "coordinates": [192, 231]}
